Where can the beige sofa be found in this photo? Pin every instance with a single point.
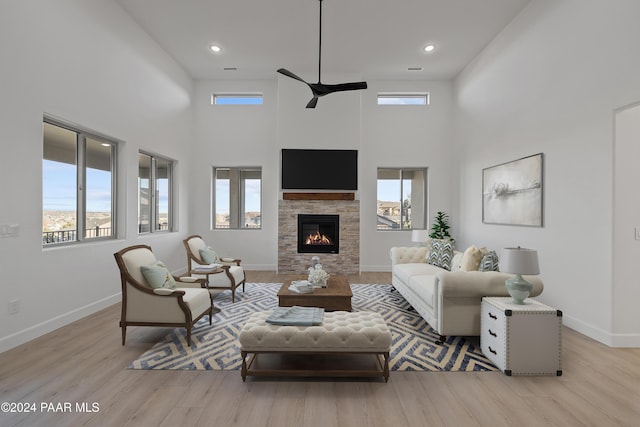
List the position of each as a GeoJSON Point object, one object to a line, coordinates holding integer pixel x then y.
{"type": "Point", "coordinates": [448, 300]}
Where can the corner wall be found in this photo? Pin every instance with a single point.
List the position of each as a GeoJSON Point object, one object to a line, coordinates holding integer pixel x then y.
{"type": "Point", "coordinates": [88, 63]}
{"type": "Point", "coordinates": [551, 82]}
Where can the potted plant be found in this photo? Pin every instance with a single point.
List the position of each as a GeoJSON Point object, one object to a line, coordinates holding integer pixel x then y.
{"type": "Point", "coordinates": [440, 227]}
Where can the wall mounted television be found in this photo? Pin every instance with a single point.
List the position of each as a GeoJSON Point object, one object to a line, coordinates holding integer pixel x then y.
{"type": "Point", "coordinates": [309, 169]}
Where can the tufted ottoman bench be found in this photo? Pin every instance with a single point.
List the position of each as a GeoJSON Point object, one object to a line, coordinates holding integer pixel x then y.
{"type": "Point", "coordinates": [327, 349]}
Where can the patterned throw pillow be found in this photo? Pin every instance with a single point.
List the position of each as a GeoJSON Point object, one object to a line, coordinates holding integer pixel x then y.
{"type": "Point", "coordinates": [158, 276]}
{"type": "Point", "coordinates": [441, 253]}
{"type": "Point", "coordinates": [489, 262]}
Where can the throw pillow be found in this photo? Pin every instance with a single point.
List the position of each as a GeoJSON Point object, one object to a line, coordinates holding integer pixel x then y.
{"type": "Point", "coordinates": [208, 255]}
{"type": "Point", "coordinates": [489, 262]}
{"type": "Point", "coordinates": [158, 275]}
{"type": "Point", "coordinates": [441, 253]}
{"type": "Point", "coordinates": [471, 259]}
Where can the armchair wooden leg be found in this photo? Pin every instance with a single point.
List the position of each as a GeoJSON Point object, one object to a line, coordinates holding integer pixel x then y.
{"type": "Point", "coordinates": [441, 339]}
{"type": "Point", "coordinates": [233, 294]}
{"type": "Point", "coordinates": [124, 334]}
{"type": "Point", "coordinates": [189, 335]}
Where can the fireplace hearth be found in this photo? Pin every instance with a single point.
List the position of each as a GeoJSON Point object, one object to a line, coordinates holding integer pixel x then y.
{"type": "Point", "coordinates": [318, 234]}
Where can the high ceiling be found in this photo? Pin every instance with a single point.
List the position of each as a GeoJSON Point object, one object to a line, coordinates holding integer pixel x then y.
{"type": "Point", "coordinates": [375, 39]}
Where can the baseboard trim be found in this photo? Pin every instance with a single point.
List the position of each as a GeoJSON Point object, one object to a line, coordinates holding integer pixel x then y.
{"type": "Point", "coordinates": [36, 331]}
{"type": "Point", "coordinates": [602, 336]}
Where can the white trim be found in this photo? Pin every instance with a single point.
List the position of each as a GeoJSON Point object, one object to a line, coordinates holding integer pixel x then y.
{"type": "Point", "coordinates": [40, 329]}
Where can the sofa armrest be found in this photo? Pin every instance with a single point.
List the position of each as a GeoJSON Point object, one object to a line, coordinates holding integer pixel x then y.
{"type": "Point", "coordinates": [461, 284]}
{"type": "Point", "coordinates": [408, 254]}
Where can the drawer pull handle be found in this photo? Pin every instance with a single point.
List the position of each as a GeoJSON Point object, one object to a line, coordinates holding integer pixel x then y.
{"type": "Point", "coordinates": [493, 334]}
{"type": "Point", "coordinates": [494, 317]}
{"type": "Point", "coordinates": [492, 350]}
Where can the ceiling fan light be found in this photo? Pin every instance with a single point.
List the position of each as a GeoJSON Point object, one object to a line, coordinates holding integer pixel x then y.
{"type": "Point", "coordinates": [430, 47]}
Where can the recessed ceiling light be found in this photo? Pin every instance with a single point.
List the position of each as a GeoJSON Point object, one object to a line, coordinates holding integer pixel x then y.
{"type": "Point", "coordinates": [215, 48]}
{"type": "Point", "coordinates": [430, 47]}
{"type": "Point", "coordinates": [415, 69]}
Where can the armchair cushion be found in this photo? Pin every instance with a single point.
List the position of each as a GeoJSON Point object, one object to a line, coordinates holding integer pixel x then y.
{"type": "Point", "coordinates": [209, 256]}
{"type": "Point", "coordinates": [158, 276]}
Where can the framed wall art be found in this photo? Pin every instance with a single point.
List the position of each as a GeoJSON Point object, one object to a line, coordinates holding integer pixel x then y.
{"type": "Point", "coordinates": [512, 192]}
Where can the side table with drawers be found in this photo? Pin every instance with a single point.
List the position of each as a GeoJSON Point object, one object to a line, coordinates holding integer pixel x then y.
{"type": "Point", "coordinates": [521, 339]}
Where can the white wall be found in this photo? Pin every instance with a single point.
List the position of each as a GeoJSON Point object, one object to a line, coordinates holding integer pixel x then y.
{"type": "Point", "coordinates": [236, 135]}
{"type": "Point", "coordinates": [86, 62]}
{"type": "Point", "coordinates": [392, 136]}
{"type": "Point", "coordinates": [550, 83]}
{"type": "Point", "coordinates": [403, 136]}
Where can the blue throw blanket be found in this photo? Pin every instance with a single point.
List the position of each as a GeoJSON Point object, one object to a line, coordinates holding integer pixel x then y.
{"type": "Point", "coordinates": [296, 316]}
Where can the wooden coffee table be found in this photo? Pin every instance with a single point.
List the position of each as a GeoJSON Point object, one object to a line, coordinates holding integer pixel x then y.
{"type": "Point", "coordinates": [335, 297]}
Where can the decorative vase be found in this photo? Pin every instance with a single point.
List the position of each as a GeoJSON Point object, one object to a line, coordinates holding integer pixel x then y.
{"type": "Point", "coordinates": [518, 288]}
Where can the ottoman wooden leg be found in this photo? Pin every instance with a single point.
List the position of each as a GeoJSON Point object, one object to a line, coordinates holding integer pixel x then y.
{"type": "Point", "coordinates": [243, 372]}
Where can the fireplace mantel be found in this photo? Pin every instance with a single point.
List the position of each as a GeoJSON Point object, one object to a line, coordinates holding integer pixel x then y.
{"type": "Point", "coordinates": [318, 196]}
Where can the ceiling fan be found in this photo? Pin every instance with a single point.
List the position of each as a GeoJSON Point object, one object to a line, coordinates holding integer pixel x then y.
{"type": "Point", "coordinates": [319, 89]}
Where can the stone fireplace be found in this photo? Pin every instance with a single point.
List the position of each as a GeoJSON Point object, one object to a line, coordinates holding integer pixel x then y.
{"type": "Point", "coordinates": [343, 258]}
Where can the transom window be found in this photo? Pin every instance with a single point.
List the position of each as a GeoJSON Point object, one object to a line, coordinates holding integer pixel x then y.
{"type": "Point", "coordinates": [236, 99]}
{"type": "Point", "coordinates": [78, 184]}
{"type": "Point", "coordinates": [237, 197]}
{"type": "Point", "coordinates": [403, 98]}
{"type": "Point", "coordinates": [402, 195]}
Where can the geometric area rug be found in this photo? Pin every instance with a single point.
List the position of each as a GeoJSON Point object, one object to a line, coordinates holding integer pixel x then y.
{"type": "Point", "coordinates": [216, 347]}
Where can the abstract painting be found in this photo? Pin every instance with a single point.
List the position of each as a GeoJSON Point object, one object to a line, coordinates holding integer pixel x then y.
{"type": "Point", "coordinates": [512, 192]}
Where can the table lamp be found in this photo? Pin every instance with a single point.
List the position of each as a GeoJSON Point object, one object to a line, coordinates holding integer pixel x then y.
{"type": "Point", "coordinates": [420, 236]}
{"type": "Point", "coordinates": [519, 261]}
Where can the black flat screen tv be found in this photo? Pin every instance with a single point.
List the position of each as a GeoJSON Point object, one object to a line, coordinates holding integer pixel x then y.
{"type": "Point", "coordinates": [308, 169]}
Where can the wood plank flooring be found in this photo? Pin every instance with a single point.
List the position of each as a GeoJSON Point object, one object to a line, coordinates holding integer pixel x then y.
{"type": "Point", "coordinates": [85, 362]}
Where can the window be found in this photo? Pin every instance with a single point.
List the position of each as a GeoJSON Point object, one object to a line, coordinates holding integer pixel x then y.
{"type": "Point", "coordinates": [78, 185]}
{"type": "Point", "coordinates": [402, 195]}
{"type": "Point", "coordinates": [155, 177]}
{"type": "Point", "coordinates": [403, 99]}
{"type": "Point", "coordinates": [237, 99]}
{"type": "Point", "coordinates": [237, 197]}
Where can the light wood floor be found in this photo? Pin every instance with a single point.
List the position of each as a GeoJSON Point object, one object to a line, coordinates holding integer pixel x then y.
{"type": "Point", "coordinates": [85, 362]}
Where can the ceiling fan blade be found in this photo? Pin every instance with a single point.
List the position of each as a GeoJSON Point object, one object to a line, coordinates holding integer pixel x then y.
{"type": "Point", "coordinates": [313, 102]}
{"type": "Point", "coordinates": [290, 74]}
{"type": "Point", "coordinates": [320, 89]}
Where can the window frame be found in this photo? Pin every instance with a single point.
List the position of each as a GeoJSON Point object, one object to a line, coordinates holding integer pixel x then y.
{"type": "Point", "coordinates": [237, 97]}
{"type": "Point", "coordinates": [82, 135]}
{"type": "Point", "coordinates": [153, 202]}
{"type": "Point", "coordinates": [422, 222]}
{"type": "Point", "coordinates": [237, 209]}
{"type": "Point", "coordinates": [404, 95]}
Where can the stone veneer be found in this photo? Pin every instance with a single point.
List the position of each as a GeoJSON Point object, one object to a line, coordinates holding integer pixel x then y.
{"type": "Point", "coordinates": [347, 261]}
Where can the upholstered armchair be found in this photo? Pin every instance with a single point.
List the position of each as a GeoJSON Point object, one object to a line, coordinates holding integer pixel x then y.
{"type": "Point", "coordinates": [151, 296]}
{"type": "Point", "coordinates": [220, 273]}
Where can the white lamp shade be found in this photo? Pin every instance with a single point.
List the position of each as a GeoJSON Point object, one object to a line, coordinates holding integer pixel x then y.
{"type": "Point", "coordinates": [519, 261]}
{"type": "Point", "coordinates": [419, 235]}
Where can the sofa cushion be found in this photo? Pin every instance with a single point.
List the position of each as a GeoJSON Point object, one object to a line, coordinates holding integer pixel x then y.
{"type": "Point", "coordinates": [471, 259]}
{"type": "Point", "coordinates": [424, 286]}
{"type": "Point", "coordinates": [406, 271]}
{"type": "Point", "coordinates": [157, 275]}
{"type": "Point", "coordinates": [441, 253]}
{"type": "Point", "coordinates": [489, 262]}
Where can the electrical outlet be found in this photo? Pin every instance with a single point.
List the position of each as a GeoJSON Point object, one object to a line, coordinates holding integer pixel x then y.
{"type": "Point", "coordinates": [14, 306]}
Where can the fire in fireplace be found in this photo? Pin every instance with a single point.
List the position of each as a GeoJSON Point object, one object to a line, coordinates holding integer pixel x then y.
{"type": "Point", "coordinates": [318, 233]}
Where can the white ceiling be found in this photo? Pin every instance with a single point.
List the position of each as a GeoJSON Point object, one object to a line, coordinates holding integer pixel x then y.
{"type": "Point", "coordinates": [376, 39]}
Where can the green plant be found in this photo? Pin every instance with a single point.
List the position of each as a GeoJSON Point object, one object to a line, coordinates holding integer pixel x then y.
{"type": "Point", "coordinates": [440, 227]}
